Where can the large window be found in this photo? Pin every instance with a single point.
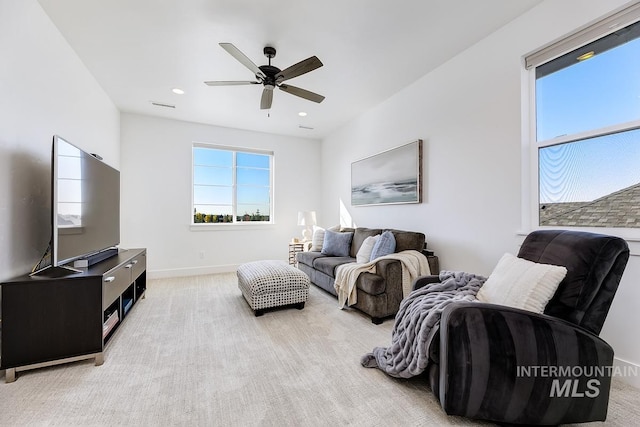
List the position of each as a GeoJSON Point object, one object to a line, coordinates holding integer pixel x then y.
{"type": "Point", "coordinates": [585, 133]}
{"type": "Point", "coordinates": [231, 186]}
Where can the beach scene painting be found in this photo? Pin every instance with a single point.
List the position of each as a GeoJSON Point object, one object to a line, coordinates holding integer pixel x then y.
{"type": "Point", "coordinates": [391, 177]}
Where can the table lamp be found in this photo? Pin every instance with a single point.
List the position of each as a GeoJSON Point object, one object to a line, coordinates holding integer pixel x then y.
{"type": "Point", "coordinates": [308, 220]}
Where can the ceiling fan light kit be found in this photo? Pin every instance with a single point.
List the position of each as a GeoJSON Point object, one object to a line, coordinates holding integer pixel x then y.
{"type": "Point", "coordinates": [271, 77]}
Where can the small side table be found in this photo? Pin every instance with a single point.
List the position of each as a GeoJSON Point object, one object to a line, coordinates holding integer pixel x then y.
{"type": "Point", "coordinates": [294, 248]}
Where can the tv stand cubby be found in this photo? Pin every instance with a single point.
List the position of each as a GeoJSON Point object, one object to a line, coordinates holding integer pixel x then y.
{"type": "Point", "coordinates": [51, 320]}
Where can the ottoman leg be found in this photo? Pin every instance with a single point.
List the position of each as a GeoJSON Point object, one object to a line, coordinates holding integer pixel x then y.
{"type": "Point", "coordinates": [300, 305]}
{"type": "Point", "coordinates": [259, 313]}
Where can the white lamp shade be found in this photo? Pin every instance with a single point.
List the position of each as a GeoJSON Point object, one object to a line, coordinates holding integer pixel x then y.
{"type": "Point", "coordinates": [307, 218]}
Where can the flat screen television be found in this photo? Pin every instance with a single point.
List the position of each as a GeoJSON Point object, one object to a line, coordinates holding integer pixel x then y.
{"type": "Point", "coordinates": [85, 204]}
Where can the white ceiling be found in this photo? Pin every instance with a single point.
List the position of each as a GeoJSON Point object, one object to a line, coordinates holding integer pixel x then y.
{"type": "Point", "coordinates": [138, 50]}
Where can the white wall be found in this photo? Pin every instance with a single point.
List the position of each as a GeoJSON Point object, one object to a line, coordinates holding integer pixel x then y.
{"type": "Point", "coordinates": [156, 196]}
{"type": "Point", "coordinates": [45, 90]}
{"type": "Point", "coordinates": [468, 112]}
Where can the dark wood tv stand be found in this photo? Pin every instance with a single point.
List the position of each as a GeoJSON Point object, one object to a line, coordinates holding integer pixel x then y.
{"type": "Point", "coordinates": [51, 320]}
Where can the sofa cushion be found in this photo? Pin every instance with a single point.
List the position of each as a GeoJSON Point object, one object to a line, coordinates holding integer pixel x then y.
{"type": "Point", "coordinates": [385, 245]}
{"type": "Point", "coordinates": [359, 235]}
{"type": "Point", "coordinates": [308, 258]}
{"type": "Point", "coordinates": [337, 244]}
{"type": "Point", "coordinates": [328, 264]}
{"type": "Point", "coordinates": [408, 240]}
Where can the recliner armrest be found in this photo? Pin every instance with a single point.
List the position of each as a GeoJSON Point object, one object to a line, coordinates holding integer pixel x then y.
{"type": "Point", "coordinates": [514, 366]}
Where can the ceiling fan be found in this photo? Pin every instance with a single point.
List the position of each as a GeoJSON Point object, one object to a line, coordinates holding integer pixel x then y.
{"type": "Point", "coordinates": [271, 77]}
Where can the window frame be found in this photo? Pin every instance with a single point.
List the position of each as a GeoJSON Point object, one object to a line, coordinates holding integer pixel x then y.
{"type": "Point", "coordinates": [530, 146]}
{"type": "Point", "coordinates": [235, 224]}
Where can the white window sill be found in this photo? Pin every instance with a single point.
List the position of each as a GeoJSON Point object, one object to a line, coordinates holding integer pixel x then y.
{"type": "Point", "coordinates": [232, 227]}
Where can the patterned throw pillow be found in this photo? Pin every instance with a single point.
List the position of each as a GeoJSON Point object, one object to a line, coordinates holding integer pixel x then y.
{"type": "Point", "coordinates": [364, 253]}
{"type": "Point", "coordinates": [385, 245]}
{"type": "Point", "coordinates": [520, 283]}
{"type": "Point", "coordinates": [336, 244]}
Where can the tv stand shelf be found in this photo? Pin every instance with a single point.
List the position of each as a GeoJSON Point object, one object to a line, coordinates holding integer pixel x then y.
{"type": "Point", "coordinates": [51, 320]}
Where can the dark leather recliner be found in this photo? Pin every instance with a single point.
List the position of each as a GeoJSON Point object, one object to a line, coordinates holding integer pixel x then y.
{"type": "Point", "coordinates": [497, 363]}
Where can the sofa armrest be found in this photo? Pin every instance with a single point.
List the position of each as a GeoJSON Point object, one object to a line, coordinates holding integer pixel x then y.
{"type": "Point", "coordinates": [391, 271]}
{"type": "Point", "coordinates": [513, 366]}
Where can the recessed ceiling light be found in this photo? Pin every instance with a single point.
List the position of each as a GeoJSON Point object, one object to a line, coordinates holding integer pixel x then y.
{"type": "Point", "coordinates": [302, 114]}
{"type": "Point", "coordinates": [586, 56]}
{"type": "Point", "coordinates": [177, 91]}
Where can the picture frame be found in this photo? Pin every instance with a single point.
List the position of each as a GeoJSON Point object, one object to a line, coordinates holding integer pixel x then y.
{"type": "Point", "coordinates": [391, 177]}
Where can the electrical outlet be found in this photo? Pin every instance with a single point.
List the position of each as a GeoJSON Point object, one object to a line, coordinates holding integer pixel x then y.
{"type": "Point", "coordinates": [201, 254]}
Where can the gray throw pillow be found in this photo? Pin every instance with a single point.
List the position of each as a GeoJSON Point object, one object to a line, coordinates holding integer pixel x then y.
{"type": "Point", "coordinates": [385, 245]}
{"type": "Point", "coordinates": [336, 244]}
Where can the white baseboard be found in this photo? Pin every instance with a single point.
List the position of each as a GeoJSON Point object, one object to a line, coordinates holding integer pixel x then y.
{"type": "Point", "coordinates": [192, 271]}
{"type": "Point", "coordinates": [630, 372]}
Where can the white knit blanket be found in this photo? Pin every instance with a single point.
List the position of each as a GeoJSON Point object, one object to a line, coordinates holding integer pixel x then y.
{"type": "Point", "coordinates": [414, 264]}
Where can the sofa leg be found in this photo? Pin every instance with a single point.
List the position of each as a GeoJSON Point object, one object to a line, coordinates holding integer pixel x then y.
{"type": "Point", "coordinates": [258, 313]}
{"type": "Point", "coordinates": [376, 320]}
{"type": "Point", "coordinates": [300, 305]}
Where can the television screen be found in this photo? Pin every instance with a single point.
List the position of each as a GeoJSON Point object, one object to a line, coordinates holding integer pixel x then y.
{"type": "Point", "coordinates": [85, 203]}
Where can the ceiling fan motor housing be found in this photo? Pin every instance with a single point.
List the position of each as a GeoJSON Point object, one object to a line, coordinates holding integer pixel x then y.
{"type": "Point", "coordinates": [270, 73]}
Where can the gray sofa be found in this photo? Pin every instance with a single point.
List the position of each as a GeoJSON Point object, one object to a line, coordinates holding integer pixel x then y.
{"type": "Point", "coordinates": [379, 295]}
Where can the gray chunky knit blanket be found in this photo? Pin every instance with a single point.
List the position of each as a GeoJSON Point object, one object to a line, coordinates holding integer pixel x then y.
{"type": "Point", "coordinates": [419, 313]}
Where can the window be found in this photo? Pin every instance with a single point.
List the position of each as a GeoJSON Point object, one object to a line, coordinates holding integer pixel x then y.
{"type": "Point", "coordinates": [585, 130]}
{"type": "Point", "coordinates": [69, 174]}
{"type": "Point", "coordinates": [231, 186]}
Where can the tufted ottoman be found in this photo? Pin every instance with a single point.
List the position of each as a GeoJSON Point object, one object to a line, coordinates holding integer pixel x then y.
{"type": "Point", "coordinates": [267, 284]}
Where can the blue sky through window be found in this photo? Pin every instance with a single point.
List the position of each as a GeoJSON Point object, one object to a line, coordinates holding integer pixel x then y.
{"type": "Point", "coordinates": [587, 96]}
{"type": "Point", "coordinates": [599, 92]}
{"type": "Point", "coordinates": [213, 178]}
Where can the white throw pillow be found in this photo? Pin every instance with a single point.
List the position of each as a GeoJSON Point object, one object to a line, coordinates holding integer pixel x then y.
{"type": "Point", "coordinates": [519, 283]}
{"type": "Point", "coordinates": [318, 239]}
{"type": "Point", "coordinates": [364, 253]}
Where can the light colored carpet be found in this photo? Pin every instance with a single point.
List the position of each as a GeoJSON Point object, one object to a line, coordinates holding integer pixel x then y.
{"type": "Point", "coordinates": [192, 353]}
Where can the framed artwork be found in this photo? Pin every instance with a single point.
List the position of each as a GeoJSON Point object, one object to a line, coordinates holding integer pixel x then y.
{"type": "Point", "coordinates": [391, 177]}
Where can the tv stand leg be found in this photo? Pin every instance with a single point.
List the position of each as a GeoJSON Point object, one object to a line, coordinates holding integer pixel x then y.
{"type": "Point", "coordinates": [10, 375]}
{"type": "Point", "coordinates": [99, 358]}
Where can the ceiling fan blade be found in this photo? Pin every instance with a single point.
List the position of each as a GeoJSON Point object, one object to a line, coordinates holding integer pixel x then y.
{"type": "Point", "coordinates": [242, 58]}
{"type": "Point", "coordinates": [267, 99]}
{"type": "Point", "coordinates": [302, 93]}
{"type": "Point", "coordinates": [298, 69]}
{"type": "Point", "coordinates": [231, 83]}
